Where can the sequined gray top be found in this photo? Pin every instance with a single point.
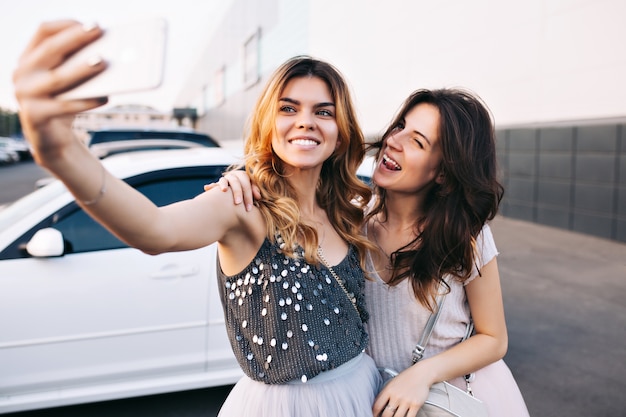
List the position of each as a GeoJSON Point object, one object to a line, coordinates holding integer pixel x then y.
{"type": "Point", "coordinates": [288, 320]}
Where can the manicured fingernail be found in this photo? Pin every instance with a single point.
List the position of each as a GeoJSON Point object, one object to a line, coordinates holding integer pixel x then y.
{"type": "Point", "coordinates": [88, 27]}
{"type": "Point", "coordinates": [94, 60]}
{"type": "Point", "coordinates": [248, 207]}
{"type": "Point", "coordinates": [237, 200]}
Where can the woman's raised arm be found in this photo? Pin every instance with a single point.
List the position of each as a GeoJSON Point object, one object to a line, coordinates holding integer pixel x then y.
{"type": "Point", "coordinates": [42, 73]}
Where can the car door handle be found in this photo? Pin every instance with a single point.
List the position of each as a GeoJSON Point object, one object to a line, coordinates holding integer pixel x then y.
{"type": "Point", "coordinates": [173, 271]}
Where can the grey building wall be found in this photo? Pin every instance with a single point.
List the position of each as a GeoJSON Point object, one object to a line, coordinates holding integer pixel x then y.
{"type": "Point", "coordinates": [572, 177]}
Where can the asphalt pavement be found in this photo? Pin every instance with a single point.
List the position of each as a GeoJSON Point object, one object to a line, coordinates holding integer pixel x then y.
{"type": "Point", "coordinates": [565, 303]}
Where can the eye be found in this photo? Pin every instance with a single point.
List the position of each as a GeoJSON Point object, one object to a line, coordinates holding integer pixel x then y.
{"type": "Point", "coordinates": [399, 126]}
{"type": "Point", "coordinates": [287, 109]}
{"type": "Point", "coordinates": [325, 112]}
{"type": "Point", "coordinates": [419, 142]}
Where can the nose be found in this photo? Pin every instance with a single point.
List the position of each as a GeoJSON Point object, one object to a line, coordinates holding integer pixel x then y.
{"type": "Point", "coordinates": [305, 121]}
{"type": "Point", "coordinates": [393, 141]}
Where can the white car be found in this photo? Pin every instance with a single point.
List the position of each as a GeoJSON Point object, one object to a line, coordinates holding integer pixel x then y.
{"type": "Point", "coordinates": [8, 155]}
{"type": "Point", "coordinates": [107, 142]}
{"type": "Point", "coordinates": [85, 318]}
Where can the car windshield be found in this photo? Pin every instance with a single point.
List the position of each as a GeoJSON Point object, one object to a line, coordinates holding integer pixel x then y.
{"type": "Point", "coordinates": [15, 211]}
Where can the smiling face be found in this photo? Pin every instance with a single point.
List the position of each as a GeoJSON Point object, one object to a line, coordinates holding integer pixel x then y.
{"type": "Point", "coordinates": [306, 129]}
{"type": "Point", "coordinates": [411, 157]}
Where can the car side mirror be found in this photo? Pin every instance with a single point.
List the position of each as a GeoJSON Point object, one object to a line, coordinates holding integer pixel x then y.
{"type": "Point", "coordinates": [46, 243]}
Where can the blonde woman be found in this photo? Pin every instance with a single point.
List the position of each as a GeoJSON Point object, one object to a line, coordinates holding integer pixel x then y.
{"type": "Point", "coordinates": [289, 269]}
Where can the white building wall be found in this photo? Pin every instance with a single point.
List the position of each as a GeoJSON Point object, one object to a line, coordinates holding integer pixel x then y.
{"type": "Point", "coordinates": [533, 61]}
{"type": "Point", "coordinates": [284, 27]}
{"type": "Point", "coordinates": [536, 61]}
{"type": "Point", "coordinates": [288, 37]}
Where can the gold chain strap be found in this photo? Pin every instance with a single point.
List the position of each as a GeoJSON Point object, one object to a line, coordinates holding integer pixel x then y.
{"type": "Point", "coordinates": [350, 295]}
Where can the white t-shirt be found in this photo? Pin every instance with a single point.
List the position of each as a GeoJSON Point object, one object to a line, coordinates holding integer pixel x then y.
{"type": "Point", "coordinates": [397, 319]}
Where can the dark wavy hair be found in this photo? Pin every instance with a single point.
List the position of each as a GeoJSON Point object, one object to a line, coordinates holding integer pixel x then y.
{"type": "Point", "coordinates": [455, 210]}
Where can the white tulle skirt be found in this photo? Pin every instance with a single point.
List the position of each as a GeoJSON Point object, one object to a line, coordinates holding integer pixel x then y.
{"type": "Point", "coordinates": [495, 386]}
{"type": "Point", "coordinates": [347, 391]}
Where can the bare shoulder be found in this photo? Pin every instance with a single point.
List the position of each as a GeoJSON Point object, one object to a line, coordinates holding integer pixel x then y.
{"type": "Point", "coordinates": [244, 233]}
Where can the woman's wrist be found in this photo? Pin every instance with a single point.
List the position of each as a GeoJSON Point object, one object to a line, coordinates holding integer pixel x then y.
{"type": "Point", "coordinates": [426, 372]}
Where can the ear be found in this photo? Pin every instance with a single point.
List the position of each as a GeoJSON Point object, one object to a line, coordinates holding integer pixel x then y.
{"type": "Point", "coordinates": [338, 144]}
{"type": "Point", "coordinates": [441, 176]}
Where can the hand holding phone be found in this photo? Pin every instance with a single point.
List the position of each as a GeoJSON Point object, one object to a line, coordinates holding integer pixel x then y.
{"type": "Point", "coordinates": [135, 56]}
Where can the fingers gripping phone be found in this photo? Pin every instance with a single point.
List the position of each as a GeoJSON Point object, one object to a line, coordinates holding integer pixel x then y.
{"type": "Point", "coordinates": [135, 56]}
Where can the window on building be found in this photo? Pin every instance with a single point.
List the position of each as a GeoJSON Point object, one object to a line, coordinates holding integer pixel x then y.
{"type": "Point", "coordinates": [251, 62]}
{"type": "Point", "coordinates": [219, 87]}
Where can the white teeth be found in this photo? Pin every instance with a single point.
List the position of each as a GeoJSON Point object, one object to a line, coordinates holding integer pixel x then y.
{"type": "Point", "coordinates": [304, 142]}
{"type": "Point", "coordinates": [390, 163]}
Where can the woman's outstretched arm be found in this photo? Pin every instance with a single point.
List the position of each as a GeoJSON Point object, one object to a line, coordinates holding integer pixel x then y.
{"type": "Point", "coordinates": [42, 73]}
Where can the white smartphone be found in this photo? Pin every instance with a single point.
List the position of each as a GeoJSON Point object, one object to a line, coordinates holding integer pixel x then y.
{"type": "Point", "coordinates": [135, 56]}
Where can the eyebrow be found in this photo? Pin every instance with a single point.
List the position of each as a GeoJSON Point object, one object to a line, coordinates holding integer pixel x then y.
{"type": "Point", "coordinates": [417, 132]}
{"type": "Point", "coordinates": [296, 102]}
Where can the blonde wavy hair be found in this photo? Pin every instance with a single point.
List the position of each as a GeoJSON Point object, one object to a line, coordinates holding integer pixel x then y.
{"type": "Point", "coordinates": [339, 192]}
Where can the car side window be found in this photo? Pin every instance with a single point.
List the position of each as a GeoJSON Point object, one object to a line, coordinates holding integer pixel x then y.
{"type": "Point", "coordinates": [83, 234]}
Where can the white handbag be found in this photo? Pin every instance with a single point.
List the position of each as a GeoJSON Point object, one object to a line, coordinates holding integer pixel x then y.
{"type": "Point", "coordinates": [444, 399]}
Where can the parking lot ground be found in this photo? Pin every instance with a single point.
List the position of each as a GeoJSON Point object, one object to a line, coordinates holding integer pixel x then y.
{"type": "Point", "coordinates": [565, 301]}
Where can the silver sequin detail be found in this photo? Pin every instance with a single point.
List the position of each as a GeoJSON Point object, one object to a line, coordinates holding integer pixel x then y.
{"type": "Point", "coordinates": [295, 280]}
